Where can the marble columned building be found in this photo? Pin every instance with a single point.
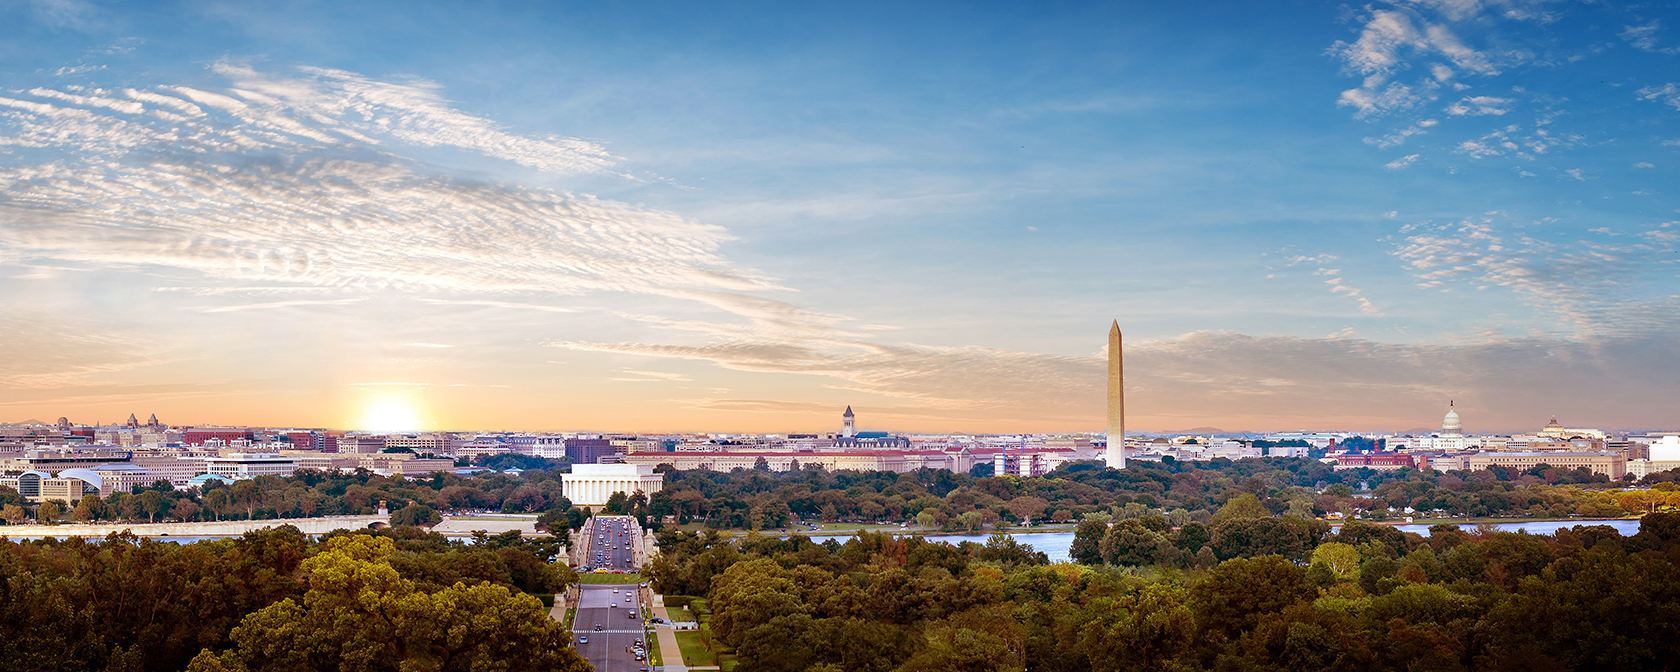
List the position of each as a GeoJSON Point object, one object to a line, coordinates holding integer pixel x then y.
{"type": "Point", "coordinates": [592, 484]}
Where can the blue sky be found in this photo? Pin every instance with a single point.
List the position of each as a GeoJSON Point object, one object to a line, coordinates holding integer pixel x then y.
{"type": "Point", "coordinates": [742, 217]}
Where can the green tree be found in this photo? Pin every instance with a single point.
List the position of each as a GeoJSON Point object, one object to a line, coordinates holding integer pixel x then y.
{"type": "Point", "coordinates": [92, 507]}
{"type": "Point", "coordinates": [1233, 597]}
{"type": "Point", "coordinates": [1087, 542]}
{"type": "Point", "coordinates": [1149, 630]}
{"type": "Point", "coordinates": [1241, 507]}
{"type": "Point", "coordinates": [980, 640]}
{"type": "Point", "coordinates": [1341, 559]}
{"type": "Point", "coordinates": [153, 503]}
{"type": "Point", "coordinates": [1130, 542]}
{"type": "Point", "coordinates": [360, 615]}
{"type": "Point", "coordinates": [416, 515]}
{"type": "Point", "coordinates": [49, 511]}
{"type": "Point", "coordinates": [616, 503]}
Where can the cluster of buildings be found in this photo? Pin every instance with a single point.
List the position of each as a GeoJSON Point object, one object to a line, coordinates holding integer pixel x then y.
{"type": "Point", "coordinates": [65, 461]}
{"type": "Point", "coordinates": [1452, 449]}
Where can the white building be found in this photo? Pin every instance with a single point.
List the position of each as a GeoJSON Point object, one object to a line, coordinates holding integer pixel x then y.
{"type": "Point", "coordinates": [1665, 455]}
{"type": "Point", "coordinates": [592, 484]}
{"type": "Point", "coordinates": [1287, 451]}
{"type": "Point", "coordinates": [239, 466]}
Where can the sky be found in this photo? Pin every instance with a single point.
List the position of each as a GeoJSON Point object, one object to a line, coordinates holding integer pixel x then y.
{"type": "Point", "coordinates": [744, 217]}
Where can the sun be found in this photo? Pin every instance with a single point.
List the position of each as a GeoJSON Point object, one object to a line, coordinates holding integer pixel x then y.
{"type": "Point", "coordinates": [391, 415]}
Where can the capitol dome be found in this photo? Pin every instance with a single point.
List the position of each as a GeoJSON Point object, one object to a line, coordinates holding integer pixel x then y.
{"type": "Point", "coordinates": [1450, 424]}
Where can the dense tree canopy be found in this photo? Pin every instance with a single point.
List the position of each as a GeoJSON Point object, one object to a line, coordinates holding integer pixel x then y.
{"type": "Point", "coordinates": [133, 604]}
{"type": "Point", "coordinates": [1367, 597]}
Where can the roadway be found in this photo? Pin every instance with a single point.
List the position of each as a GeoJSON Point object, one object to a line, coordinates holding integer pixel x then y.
{"type": "Point", "coordinates": [608, 627]}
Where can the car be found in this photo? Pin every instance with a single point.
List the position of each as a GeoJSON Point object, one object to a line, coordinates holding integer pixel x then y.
{"type": "Point", "coordinates": [614, 605]}
{"type": "Point", "coordinates": [583, 639]}
{"type": "Point", "coordinates": [597, 627]}
{"type": "Point", "coordinates": [632, 615]}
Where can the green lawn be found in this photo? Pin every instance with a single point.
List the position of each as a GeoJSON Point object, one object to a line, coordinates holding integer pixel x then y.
{"type": "Point", "coordinates": [693, 651]}
{"type": "Point", "coordinates": [593, 578]}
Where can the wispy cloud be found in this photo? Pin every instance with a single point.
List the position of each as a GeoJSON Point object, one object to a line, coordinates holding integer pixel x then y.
{"type": "Point", "coordinates": [1480, 106]}
{"type": "Point", "coordinates": [1644, 38]}
{"type": "Point", "coordinates": [1668, 93]}
{"type": "Point", "coordinates": [1594, 287]}
{"type": "Point", "coordinates": [1390, 40]}
{"type": "Point", "coordinates": [278, 304]}
{"type": "Point", "coordinates": [510, 305]}
{"type": "Point", "coordinates": [267, 181]}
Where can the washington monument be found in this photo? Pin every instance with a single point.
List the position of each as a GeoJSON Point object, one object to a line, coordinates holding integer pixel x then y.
{"type": "Point", "coordinates": [1116, 401]}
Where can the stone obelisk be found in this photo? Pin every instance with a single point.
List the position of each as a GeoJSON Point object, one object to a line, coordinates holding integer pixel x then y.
{"type": "Point", "coordinates": [1116, 456]}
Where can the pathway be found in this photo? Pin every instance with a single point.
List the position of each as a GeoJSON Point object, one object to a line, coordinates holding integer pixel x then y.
{"type": "Point", "coordinates": [670, 653]}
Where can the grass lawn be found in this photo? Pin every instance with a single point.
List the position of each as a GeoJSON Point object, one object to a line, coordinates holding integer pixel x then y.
{"type": "Point", "coordinates": [571, 616]}
{"type": "Point", "coordinates": [593, 578]}
{"type": "Point", "coordinates": [693, 652]}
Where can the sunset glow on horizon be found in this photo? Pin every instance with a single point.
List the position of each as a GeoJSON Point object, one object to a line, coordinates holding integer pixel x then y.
{"type": "Point", "coordinates": [612, 219]}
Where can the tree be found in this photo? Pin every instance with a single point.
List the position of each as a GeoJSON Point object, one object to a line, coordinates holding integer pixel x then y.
{"type": "Point", "coordinates": [360, 615]}
{"type": "Point", "coordinates": [980, 640]}
{"type": "Point", "coordinates": [13, 513]}
{"type": "Point", "coordinates": [1341, 559]}
{"type": "Point", "coordinates": [89, 509]}
{"type": "Point", "coordinates": [1150, 630]}
{"type": "Point", "coordinates": [1241, 507]}
{"type": "Point", "coordinates": [1028, 508]}
{"type": "Point", "coordinates": [1129, 542]}
{"type": "Point", "coordinates": [1087, 542]}
{"type": "Point", "coordinates": [154, 503]}
{"type": "Point", "coordinates": [1234, 596]}
{"type": "Point", "coordinates": [185, 510]}
{"type": "Point", "coordinates": [245, 493]}
{"type": "Point", "coordinates": [416, 515]}
{"type": "Point", "coordinates": [49, 511]}
{"type": "Point", "coordinates": [216, 500]}
{"type": "Point", "coordinates": [926, 519]}
{"type": "Point", "coordinates": [616, 503]}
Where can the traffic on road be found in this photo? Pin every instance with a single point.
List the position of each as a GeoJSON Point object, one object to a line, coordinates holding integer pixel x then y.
{"type": "Point", "coordinates": [608, 628]}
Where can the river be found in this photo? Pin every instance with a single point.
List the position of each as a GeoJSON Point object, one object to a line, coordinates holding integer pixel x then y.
{"type": "Point", "coordinates": [1056, 544]}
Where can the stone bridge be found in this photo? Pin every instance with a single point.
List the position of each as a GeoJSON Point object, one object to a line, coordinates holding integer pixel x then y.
{"type": "Point", "coordinates": [225, 528]}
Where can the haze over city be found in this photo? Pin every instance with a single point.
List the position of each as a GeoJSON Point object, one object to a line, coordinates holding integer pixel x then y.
{"type": "Point", "coordinates": [397, 216]}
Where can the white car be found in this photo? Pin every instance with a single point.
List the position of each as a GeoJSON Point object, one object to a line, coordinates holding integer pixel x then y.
{"type": "Point", "coordinates": [614, 605]}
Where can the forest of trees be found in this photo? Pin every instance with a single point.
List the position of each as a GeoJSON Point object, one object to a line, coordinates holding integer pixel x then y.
{"type": "Point", "coordinates": [397, 599]}
{"type": "Point", "coordinates": [1366, 598]}
{"type": "Point", "coordinates": [1182, 491]}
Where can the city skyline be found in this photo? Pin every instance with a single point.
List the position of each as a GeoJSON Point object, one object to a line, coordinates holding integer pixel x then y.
{"type": "Point", "coordinates": [738, 221]}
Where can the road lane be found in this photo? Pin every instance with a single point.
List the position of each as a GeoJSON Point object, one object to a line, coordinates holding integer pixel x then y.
{"type": "Point", "coordinates": [610, 649]}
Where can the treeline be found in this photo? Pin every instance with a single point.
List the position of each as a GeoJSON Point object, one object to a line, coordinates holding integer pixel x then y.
{"type": "Point", "coordinates": [1183, 491]}
{"type": "Point", "coordinates": [1366, 598]}
{"type": "Point", "coordinates": [267, 600]}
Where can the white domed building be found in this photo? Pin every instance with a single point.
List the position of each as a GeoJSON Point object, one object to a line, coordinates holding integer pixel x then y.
{"type": "Point", "coordinates": [1452, 436]}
